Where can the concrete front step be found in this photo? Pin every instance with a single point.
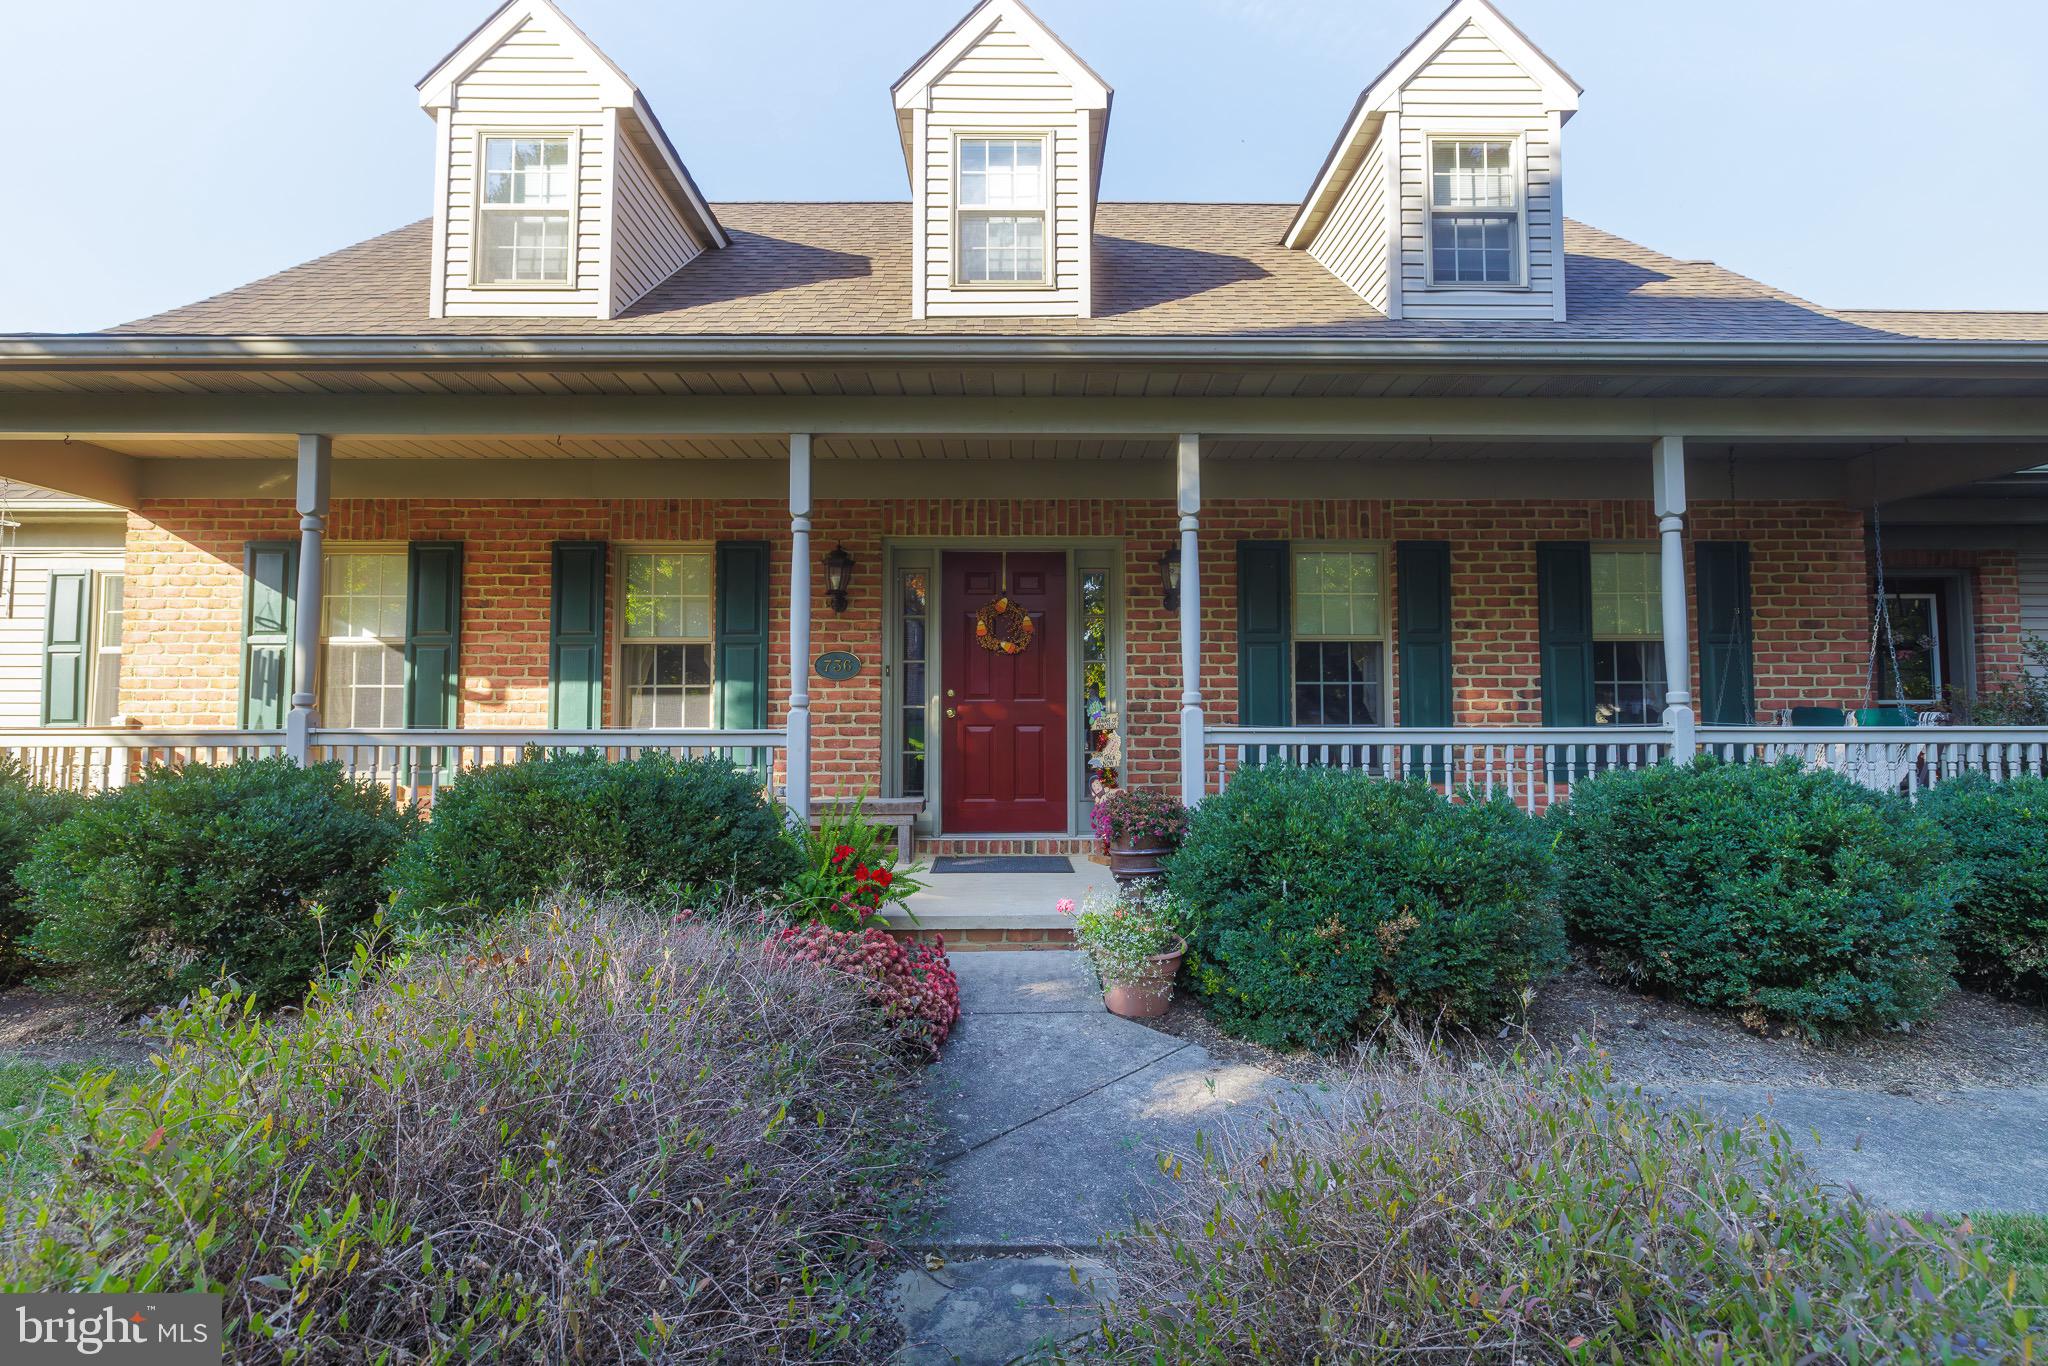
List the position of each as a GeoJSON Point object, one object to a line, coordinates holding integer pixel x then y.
{"type": "Point", "coordinates": [934, 846]}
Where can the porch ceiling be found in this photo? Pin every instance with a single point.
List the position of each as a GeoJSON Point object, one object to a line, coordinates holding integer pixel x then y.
{"type": "Point", "coordinates": [127, 469]}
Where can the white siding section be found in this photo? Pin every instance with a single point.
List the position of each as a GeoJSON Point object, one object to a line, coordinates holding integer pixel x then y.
{"type": "Point", "coordinates": [532, 82]}
{"type": "Point", "coordinates": [1472, 88]}
{"type": "Point", "coordinates": [1352, 243]}
{"type": "Point", "coordinates": [23, 601]}
{"type": "Point", "coordinates": [650, 241]}
{"type": "Point", "coordinates": [2034, 594]}
{"type": "Point", "coordinates": [1002, 84]}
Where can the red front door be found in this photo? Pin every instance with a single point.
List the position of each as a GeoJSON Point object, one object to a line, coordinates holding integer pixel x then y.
{"type": "Point", "coordinates": [1005, 715]}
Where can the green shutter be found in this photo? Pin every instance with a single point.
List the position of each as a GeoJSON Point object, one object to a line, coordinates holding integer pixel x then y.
{"type": "Point", "coordinates": [270, 587]}
{"type": "Point", "coordinates": [1422, 580]}
{"type": "Point", "coordinates": [1564, 624]}
{"type": "Point", "coordinates": [66, 622]}
{"type": "Point", "coordinates": [739, 669]}
{"type": "Point", "coordinates": [1263, 609]}
{"type": "Point", "coordinates": [1727, 668]}
{"type": "Point", "coordinates": [576, 637]}
{"type": "Point", "coordinates": [433, 633]}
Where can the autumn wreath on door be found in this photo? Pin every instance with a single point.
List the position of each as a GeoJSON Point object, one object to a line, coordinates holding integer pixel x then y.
{"type": "Point", "coordinates": [1004, 628]}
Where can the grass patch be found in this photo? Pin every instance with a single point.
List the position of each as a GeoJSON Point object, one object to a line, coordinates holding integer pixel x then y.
{"type": "Point", "coordinates": [31, 1116]}
{"type": "Point", "coordinates": [2020, 1240]}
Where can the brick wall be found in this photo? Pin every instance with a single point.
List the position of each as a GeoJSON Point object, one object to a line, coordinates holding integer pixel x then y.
{"type": "Point", "coordinates": [181, 656]}
{"type": "Point", "coordinates": [1809, 571]}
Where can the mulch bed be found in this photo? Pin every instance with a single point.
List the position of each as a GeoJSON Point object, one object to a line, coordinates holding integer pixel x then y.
{"type": "Point", "coordinates": [1973, 1041]}
{"type": "Point", "coordinates": [55, 1026]}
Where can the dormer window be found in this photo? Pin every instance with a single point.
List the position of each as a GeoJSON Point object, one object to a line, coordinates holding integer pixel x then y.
{"type": "Point", "coordinates": [1475, 212]}
{"type": "Point", "coordinates": [1001, 219]}
{"type": "Point", "coordinates": [527, 211]}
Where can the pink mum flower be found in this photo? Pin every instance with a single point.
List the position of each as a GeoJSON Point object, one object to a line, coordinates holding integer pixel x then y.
{"type": "Point", "coordinates": [1065, 905]}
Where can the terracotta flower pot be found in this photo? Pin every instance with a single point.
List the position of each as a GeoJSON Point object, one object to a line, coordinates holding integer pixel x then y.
{"type": "Point", "coordinates": [1146, 996]}
{"type": "Point", "coordinates": [1136, 865]}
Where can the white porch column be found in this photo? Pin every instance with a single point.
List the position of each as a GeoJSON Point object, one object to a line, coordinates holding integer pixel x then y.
{"type": "Point", "coordinates": [1667, 492]}
{"type": "Point", "coordinates": [315, 462]}
{"type": "Point", "coordinates": [798, 758]}
{"type": "Point", "coordinates": [1188, 468]}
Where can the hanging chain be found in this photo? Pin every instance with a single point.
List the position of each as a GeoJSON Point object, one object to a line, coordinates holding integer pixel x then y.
{"type": "Point", "coordinates": [1739, 631]}
{"type": "Point", "coordinates": [1881, 618]}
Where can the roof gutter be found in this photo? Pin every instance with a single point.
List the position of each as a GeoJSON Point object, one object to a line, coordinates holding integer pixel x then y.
{"type": "Point", "coordinates": [30, 352]}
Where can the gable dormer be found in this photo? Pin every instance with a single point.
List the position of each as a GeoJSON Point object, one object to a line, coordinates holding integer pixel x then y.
{"type": "Point", "coordinates": [556, 192]}
{"type": "Point", "coordinates": [1003, 130]}
{"type": "Point", "coordinates": [1444, 196]}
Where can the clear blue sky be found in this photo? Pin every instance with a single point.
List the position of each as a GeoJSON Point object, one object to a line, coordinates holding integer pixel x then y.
{"type": "Point", "coordinates": [1836, 148]}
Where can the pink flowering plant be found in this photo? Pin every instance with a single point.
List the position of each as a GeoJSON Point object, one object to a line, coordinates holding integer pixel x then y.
{"type": "Point", "coordinates": [911, 984]}
{"type": "Point", "coordinates": [1139, 818]}
{"type": "Point", "coordinates": [1120, 933]}
{"type": "Point", "coordinates": [849, 874]}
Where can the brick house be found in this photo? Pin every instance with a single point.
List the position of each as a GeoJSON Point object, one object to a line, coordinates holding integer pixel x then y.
{"type": "Point", "coordinates": [1416, 472]}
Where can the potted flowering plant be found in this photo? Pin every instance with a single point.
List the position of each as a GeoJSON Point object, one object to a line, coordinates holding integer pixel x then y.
{"type": "Point", "coordinates": [849, 875]}
{"type": "Point", "coordinates": [1134, 941]}
{"type": "Point", "coordinates": [1141, 826]}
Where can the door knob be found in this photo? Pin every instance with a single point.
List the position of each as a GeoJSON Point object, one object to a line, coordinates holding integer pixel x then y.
{"type": "Point", "coordinates": [951, 714]}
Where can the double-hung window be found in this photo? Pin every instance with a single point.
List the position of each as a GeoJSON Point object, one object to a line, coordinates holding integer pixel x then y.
{"type": "Point", "coordinates": [362, 630]}
{"type": "Point", "coordinates": [1340, 647]}
{"type": "Point", "coordinates": [1628, 645]}
{"type": "Point", "coordinates": [1475, 212]}
{"type": "Point", "coordinates": [666, 661]}
{"type": "Point", "coordinates": [108, 616]}
{"type": "Point", "coordinates": [1002, 211]}
{"type": "Point", "coordinates": [526, 211]}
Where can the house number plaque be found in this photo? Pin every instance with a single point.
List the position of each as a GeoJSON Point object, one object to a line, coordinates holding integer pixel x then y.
{"type": "Point", "coordinates": [837, 665]}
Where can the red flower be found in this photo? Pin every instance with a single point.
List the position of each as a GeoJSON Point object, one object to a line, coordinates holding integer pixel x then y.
{"type": "Point", "coordinates": [842, 853]}
{"type": "Point", "coordinates": [883, 877]}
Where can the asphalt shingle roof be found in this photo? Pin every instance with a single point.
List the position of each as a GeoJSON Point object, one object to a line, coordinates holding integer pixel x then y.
{"type": "Point", "coordinates": [1163, 270]}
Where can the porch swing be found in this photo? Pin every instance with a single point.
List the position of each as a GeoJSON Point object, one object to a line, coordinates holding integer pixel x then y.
{"type": "Point", "coordinates": [1886, 767]}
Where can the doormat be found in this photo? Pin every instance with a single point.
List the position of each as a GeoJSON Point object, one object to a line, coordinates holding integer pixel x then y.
{"type": "Point", "coordinates": [1002, 863]}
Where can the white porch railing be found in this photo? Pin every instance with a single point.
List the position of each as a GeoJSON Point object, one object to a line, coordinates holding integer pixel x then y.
{"type": "Point", "coordinates": [89, 759]}
{"type": "Point", "coordinates": [1537, 765]}
{"type": "Point", "coordinates": [1531, 765]}
{"type": "Point", "coordinates": [1904, 759]}
{"type": "Point", "coordinates": [411, 764]}
{"type": "Point", "coordinates": [416, 764]}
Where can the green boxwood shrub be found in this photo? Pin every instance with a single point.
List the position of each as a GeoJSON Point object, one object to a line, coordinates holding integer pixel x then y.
{"type": "Point", "coordinates": [28, 810]}
{"type": "Point", "coordinates": [1320, 898]}
{"type": "Point", "coordinates": [1768, 889]}
{"type": "Point", "coordinates": [2000, 834]}
{"type": "Point", "coordinates": [504, 836]}
{"type": "Point", "coordinates": [260, 870]}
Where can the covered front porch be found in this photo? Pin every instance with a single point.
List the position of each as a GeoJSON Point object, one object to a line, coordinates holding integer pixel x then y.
{"type": "Point", "coordinates": [1497, 591]}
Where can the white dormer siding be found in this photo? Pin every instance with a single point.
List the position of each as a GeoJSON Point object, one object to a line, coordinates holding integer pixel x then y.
{"type": "Point", "coordinates": [1473, 91]}
{"type": "Point", "coordinates": [529, 80]}
{"type": "Point", "coordinates": [650, 238]}
{"type": "Point", "coordinates": [1003, 89]}
{"type": "Point", "coordinates": [530, 84]}
{"type": "Point", "coordinates": [1354, 245]}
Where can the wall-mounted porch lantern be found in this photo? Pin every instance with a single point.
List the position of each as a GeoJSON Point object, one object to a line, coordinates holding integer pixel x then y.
{"type": "Point", "coordinates": [1169, 576]}
{"type": "Point", "coordinates": [838, 573]}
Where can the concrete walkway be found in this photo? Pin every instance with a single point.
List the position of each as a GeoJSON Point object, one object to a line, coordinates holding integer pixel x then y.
{"type": "Point", "coordinates": [1056, 1111]}
{"type": "Point", "coordinates": [1966, 1153]}
{"type": "Point", "coordinates": [1055, 1114]}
